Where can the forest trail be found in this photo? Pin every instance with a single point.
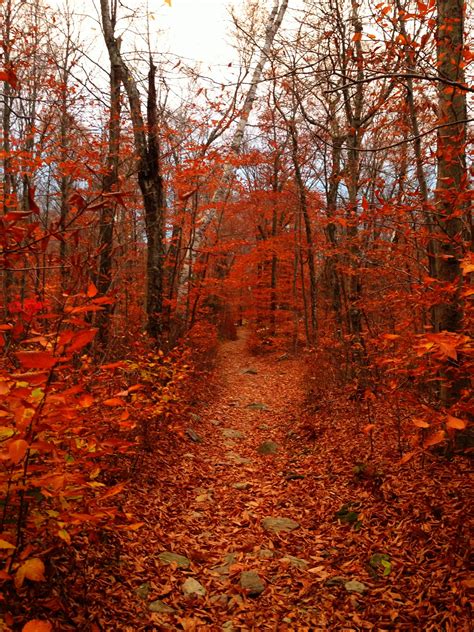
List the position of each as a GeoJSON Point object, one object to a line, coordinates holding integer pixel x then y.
{"type": "Point", "coordinates": [349, 558]}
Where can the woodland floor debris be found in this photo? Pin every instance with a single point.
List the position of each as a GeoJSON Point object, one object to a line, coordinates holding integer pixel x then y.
{"type": "Point", "coordinates": [315, 571]}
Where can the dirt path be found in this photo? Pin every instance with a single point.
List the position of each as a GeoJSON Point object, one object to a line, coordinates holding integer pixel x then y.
{"type": "Point", "coordinates": [352, 557]}
{"type": "Point", "coordinates": [231, 488]}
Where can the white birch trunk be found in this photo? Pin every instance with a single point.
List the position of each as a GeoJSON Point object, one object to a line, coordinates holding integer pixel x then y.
{"type": "Point", "coordinates": [274, 22]}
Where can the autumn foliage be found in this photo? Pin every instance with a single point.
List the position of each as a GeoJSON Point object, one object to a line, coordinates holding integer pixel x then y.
{"type": "Point", "coordinates": [329, 219]}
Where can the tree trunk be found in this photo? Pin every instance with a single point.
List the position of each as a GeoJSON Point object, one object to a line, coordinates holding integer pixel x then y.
{"type": "Point", "coordinates": [149, 172]}
{"type": "Point", "coordinates": [107, 216]}
{"type": "Point", "coordinates": [451, 181]}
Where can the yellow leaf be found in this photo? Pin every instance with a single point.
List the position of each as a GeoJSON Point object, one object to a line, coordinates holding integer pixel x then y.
{"type": "Point", "coordinates": [457, 424]}
{"type": "Point", "coordinates": [35, 625]}
{"type": "Point", "coordinates": [6, 545]}
{"type": "Point", "coordinates": [32, 569]}
{"type": "Point", "coordinates": [168, 2]}
{"type": "Point", "coordinates": [6, 433]}
{"type": "Point", "coordinates": [64, 535]}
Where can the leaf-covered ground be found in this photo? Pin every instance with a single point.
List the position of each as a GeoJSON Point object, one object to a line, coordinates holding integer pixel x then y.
{"type": "Point", "coordinates": [379, 547]}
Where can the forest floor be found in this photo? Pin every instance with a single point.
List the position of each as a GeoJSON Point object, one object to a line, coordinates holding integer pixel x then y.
{"type": "Point", "coordinates": [384, 550]}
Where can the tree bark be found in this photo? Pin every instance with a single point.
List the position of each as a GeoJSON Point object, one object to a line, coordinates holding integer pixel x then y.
{"type": "Point", "coordinates": [451, 181]}
{"type": "Point", "coordinates": [149, 173]}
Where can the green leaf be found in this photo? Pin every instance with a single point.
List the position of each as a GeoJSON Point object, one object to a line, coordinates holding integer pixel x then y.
{"type": "Point", "coordinates": [387, 567]}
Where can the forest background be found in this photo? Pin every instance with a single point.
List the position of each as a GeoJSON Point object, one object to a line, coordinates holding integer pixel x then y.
{"type": "Point", "coordinates": [313, 185]}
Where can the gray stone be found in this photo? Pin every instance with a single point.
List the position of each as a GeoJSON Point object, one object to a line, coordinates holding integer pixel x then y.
{"type": "Point", "coordinates": [293, 476]}
{"type": "Point", "coordinates": [188, 455]}
{"type": "Point", "coordinates": [224, 569]}
{"type": "Point", "coordinates": [268, 447]}
{"type": "Point", "coordinates": [144, 590]}
{"type": "Point", "coordinates": [167, 557]}
{"type": "Point", "coordinates": [266, 554]}
{"type": "Point", "coordinates": [193, 435]}
{"type": "Point", "coordinates": [196, 418]}
{"type": "Point", "coordinates": [228, 626]}
{"type": "Point", "coordinates": [355, 586]}
{"type": "Point", "coordinates": [297, 562]}
{"type": "Point", "coordinates": [192, 587]}
{"type": "Point", "coordinates": [240, 460]}
{"type": "Point", "coordinates": [219, 599]}
{"type": "Point", "coordinates": [279, 524]}
{"type": "Point", "coordinates": [216, 422]}
{"type": "Point", "coordinates": [257, 406]}
{"type": "Point", "coordinates": [241, 486]}
{"type": "Point", "coordinates": [249, 372]}
{"type": "Point", "coordinates": [335, 581]}
{"type": "Point", "coordinates": [263, 427]}
{"type": "Point", "coordinates": [251, 583]}
{"type": "Point", "coordinates": [230, 433]}
{"type": "Point", "coordinates": [160, 606]}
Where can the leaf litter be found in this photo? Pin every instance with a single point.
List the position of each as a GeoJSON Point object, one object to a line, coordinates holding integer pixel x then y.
{"type": "Point", "coordinates": [378, 552]}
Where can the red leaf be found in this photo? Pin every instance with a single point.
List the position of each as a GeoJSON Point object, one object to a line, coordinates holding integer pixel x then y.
{"type": "Point", "coordinates": [92, 290]}
{"type": "Point", "coordinates": [17, 450]}
{"type": "Point", "coordinates": [10, 77]}
{"type": "Point", "coordinates": [31, 201]}
{"type": "Point", "coordinates": [81, 339]}
{"type": "Point", "coordinates": [36, 359]}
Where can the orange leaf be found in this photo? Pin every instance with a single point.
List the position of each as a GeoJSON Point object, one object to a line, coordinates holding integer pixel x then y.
{"type": "Point", "coordinates": [406, 457]}
{"type": "Point", "coordinates": [114, 401]}
{"type": "Point", "coordinates": [36, 359]}
{"type": "Point", "coordinates": [32, 569]}
{"type": "Point", "coordinates": [17, 450]}
{"type": "Point", "coordinates": [92, 290]}
{"type": "Point", "coordinates": [135, 387]}
{"type": "Point", "coordinates": [419, 423]}
{"type": "Point", "coordinates": [35, 625]}
{"type": "Point", "coordinates": [113, 365]}
{"type": "Point", "coordinates": [6, 545]}
{"type": "Point", "coordinates": [469, 582]}
{"type": "Point", "coordinates": [86, 400]}
{"type": "Point", "coordinates": [132, 527]}
{"type": "Point", "coordinates": [367, 429]}
{"type": "Point", "coordinates": [434, 439]}
{"type": "Point", "coordinates": [113, 491]}
{"type": "Point", "coordinates": [457, 424]}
